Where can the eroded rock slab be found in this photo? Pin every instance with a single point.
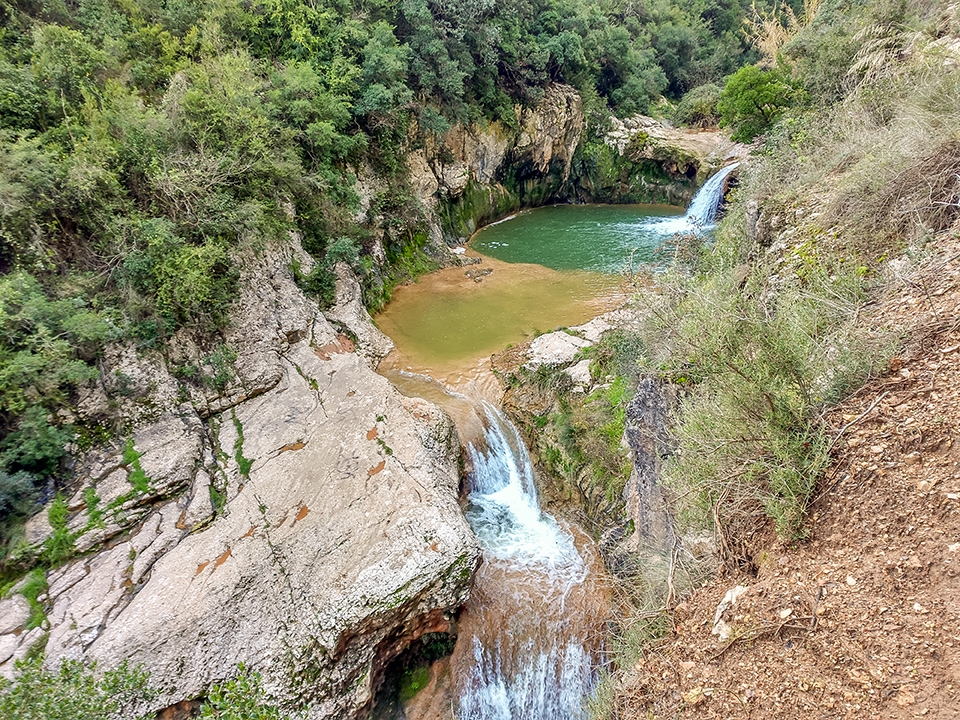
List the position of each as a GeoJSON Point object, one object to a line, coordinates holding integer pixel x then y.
{"type": "Point", "coordinates": [342, 539]}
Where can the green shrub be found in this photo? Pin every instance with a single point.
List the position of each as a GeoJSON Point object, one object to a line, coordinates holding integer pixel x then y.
{"type": "Point", "coordinates": [221, 363]}
{"type": "Point", "coordinates": [760, 367]}
{"type": "Point", "coordinates": [244, 464]}
{"type": "Point", "coordinates": [18, 493]}
{"type": "Point", "coordinates": [413, 681]}
{"type": "Point", "coordinates": [754, 98]}
{"type": "Point", "coordinates": [47, 349]}
{"type": "Point", "coordinates": [59, 545]}
{"type": "Point", "coordinates": [698, 108]}
{"type": "Point", "coordinates": [73, 691]}
{"type": "Point", "coordinates": [242, 698]}
{"type": "Point", "coordinates": [34, 585]}
{"type": "Point", "coordinates": [35, 446]}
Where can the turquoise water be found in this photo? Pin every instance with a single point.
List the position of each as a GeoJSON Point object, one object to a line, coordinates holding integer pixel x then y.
{"type": "Point", "coordinates": [598, 238]}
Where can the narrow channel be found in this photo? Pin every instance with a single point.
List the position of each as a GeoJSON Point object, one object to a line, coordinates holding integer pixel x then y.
{"type": "Point", "coordinates": [530, 637]}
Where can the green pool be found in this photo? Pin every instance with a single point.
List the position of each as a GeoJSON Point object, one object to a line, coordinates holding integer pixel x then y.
{"type": "Point", "coordinates": [597, 238]}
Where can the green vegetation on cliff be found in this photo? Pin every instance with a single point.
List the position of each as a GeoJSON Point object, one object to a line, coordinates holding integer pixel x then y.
{"type": "Point", "coordinates": [76, 691]}
{"type": "Point", "coordinates": [770, 325]}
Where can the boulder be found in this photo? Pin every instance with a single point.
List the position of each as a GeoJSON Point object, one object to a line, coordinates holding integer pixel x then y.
{"type": "Point", "coordinates": [556, 348]}
{"type": "Point", "coordinates": [649, 442]}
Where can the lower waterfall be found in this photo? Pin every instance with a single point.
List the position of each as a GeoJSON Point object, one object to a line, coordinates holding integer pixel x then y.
{"type": "Point", "coordinates": [530, 637]}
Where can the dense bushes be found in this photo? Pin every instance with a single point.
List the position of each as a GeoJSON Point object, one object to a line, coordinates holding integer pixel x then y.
{"type": "Point", "coordinates": [72, 692]}
{"type": "Point", "coordinates": [75, 691]}
{"type": "Point", "coordinates": [754, 98]}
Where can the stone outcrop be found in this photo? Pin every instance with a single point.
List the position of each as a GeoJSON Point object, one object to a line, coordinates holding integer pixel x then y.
{"type": "Point", "coordinates": [681, 152]}
{"type": "Point", "coordinates": [304, 524]}
{"type": "Point", "coordinates": [646, 434]}
{"type": "Point", "coordinates": [643, 160]}
{"type": "Point", "coordinates": [550, 133]}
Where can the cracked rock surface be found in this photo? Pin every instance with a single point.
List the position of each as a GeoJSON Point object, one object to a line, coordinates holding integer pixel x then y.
{"type": "Point", "coordinates": [335, 539]}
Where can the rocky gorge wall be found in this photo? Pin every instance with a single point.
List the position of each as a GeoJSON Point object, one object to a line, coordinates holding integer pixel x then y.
{"type": "Point", "coordinates": [475, 174]}
{"type": "Point", "coordinates": [303, 521]}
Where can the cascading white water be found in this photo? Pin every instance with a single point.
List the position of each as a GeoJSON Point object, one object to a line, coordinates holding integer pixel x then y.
{"type": "Point", "coordinates": [703, 208]}
{"type": "Point", "coordinates": [527, 641]}
{"type": "Point", "coordinates": [702, 213]}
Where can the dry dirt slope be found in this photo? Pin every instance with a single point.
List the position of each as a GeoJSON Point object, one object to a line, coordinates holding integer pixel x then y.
{"type": "Point", "coordinates": [863, 620]}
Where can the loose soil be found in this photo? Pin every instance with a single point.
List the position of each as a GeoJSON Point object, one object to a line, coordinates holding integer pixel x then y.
{"type": "Point", "coordinates": [863, 619]}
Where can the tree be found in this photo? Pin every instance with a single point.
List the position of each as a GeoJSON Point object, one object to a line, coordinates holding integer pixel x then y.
{"type": "Point", "coordinates": [754, 99]}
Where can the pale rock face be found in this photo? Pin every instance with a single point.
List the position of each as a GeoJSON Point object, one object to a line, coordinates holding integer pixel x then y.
{"type": "Point", "coordinates": [422, 178]}
{"type": "Point", "coordinates": [556, 348]}
{"type": "Point", "coordinates": [579, 374]}
{"type": "Point", "coordinates": [346, 530]}
{"type": "Point", "coordinates": [14, 613]}
{"type": "Point", "coordinates": [349, 310]}
{"type": "Point", "coordinates": [552, 130]}
{"type": "Point", "coordinates": [549, 132]}
{"type": "Point", "coordinates": [336, 540]}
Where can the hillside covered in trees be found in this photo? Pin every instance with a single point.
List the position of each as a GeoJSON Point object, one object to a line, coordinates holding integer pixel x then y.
{"type": "Point", "coordinates": [144, 147]}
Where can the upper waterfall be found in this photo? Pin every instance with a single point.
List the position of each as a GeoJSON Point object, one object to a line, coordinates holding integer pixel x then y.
{"type": "Point", "coordinates": [703, 209]}
{"type": "Point", "coordinates": [702, 213]}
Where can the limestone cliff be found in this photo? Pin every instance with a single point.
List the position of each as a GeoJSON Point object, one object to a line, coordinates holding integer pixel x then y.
{"type": "Point", "coordinates": [302, 521]}
{"type": "Point", "coordinates": [476, 173]}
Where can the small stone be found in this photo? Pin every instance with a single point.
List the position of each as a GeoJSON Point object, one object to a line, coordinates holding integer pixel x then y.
{"type": "Point", "coordinates": [905, 698]}
{"type": "Point", "coordinates": [785, 613]}
{"type": "Point", "coordinates": [851, 580]}
{"type": "Point", "coordinates": [694, 696]}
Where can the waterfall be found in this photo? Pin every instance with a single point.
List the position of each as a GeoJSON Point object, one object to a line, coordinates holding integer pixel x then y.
{"type": "Point", "coordinates": [527, 641]}
{"type": "Point", "coordinates": [703, 208]}
{"type": "Point", "coordinates": [702, 213]}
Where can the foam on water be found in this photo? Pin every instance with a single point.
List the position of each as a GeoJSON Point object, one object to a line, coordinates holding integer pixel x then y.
{"type": "Point", "coordinates": [531, 629]}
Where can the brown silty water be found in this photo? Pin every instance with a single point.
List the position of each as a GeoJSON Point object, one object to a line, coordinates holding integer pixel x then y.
{"type": "Point", "coordinates": [448, 324]}
{"type": "Point", "coordinates": [531, 635]}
